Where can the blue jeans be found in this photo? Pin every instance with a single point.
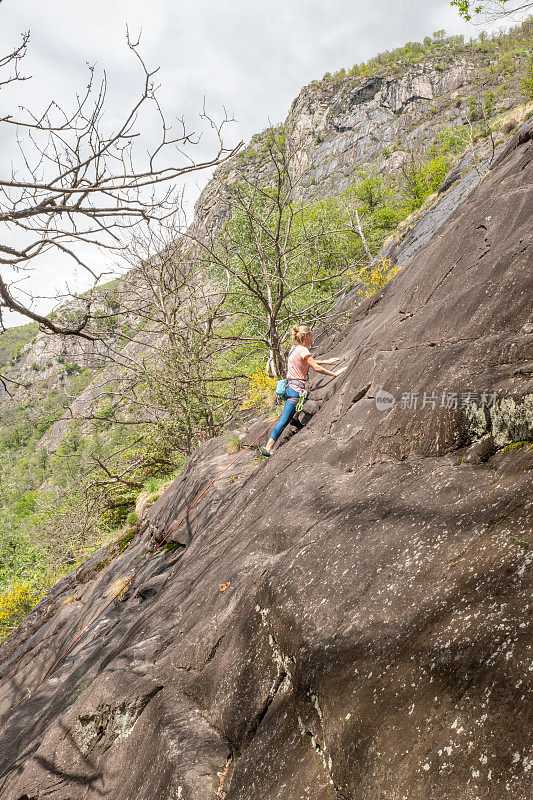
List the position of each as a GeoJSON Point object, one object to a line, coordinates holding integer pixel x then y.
{"type": "Point", "coordinates": [287, 414]}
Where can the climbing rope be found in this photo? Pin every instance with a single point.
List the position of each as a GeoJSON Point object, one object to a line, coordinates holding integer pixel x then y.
{"type": "Point", "coordinates": [129, 580]}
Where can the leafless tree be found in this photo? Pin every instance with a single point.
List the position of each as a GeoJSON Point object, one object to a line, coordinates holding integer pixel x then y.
{"type": "Point", "coordinates": [78, 186]}
{"type": "Point", "coordinates": [165, 371]}
{"type": "Point", "coordinates": [173, 364]}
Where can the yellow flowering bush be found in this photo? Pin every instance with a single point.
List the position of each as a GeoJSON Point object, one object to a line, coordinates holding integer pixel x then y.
{"type": "Point", "coordinates": [375, 277]}
{"type": "Point", "coordinates": [18, 600]}
{"type": "Point", "coordinates": [15, 602]}
{"type": "Point", "coordinates": [261, 388]}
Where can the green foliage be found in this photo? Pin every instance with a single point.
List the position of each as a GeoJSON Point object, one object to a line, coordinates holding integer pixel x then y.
{"type": "Point", "coordinates": [370, 191]}
{"type": "Point", "coordinates": [26, 504]}
{"type": "Point", "coordinates": [20, 554]}
{"type": "Point", "coordinates": [178, 388]}
{"type": "Point", "coordinates": [15, 436]}
{"type": "Point", "coordinates": [423, 178]}
{"type": "Point", "coordinates": [154, 483]}
{"type": "Point", "coordinates": [125, 540]}
{"type": "Point", "coordinates": [488, 101]}
{"type": "Point", "coordinates": [474, 110]}
{"type": "Point", "coordinates": [472, 8]}
{"type": "Point", "coordinates": [172, 547]}
{"type": "Point", "coordinates": [526, 84]}
{"type": "Point", "coordinates": [380, 205]}
{"type": "Point", "coordinates": [68, 318]}
{"type": "Point", "coordinates": [80, 381]}
{"type": "Point", "coordinates": [107, 322]}
{"type": "Point", "coordinates": [449, 142]}
{"type": "Point", "coordinates": [517, 43]}
{"type": "Point", "coordinates": [71, 369]}
{"type": "Point", "coordinates": [108, 288]}
{"type": "Point", "coordinates": [13, 340]}
{"type": "Point", "coordinates": [126, 333]}
{"type": "Point", "coordinates": [45, 533]}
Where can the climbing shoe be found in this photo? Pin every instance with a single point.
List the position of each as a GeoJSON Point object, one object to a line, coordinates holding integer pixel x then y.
{"type": "Point", "coordinates": [265, 452]}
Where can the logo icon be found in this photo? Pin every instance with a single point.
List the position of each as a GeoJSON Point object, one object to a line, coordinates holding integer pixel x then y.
{"type": "Point", "coordinates": [384, 400]}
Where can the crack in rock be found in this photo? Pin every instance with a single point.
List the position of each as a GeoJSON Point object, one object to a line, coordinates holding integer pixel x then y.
{"type": "Point", "coordinates": [221, 792]}
{"type": "Point", "coordinates": [285, 664]}
{"type": "Point", "coordinates": [321, 747]}
{"type": "Point", "coordinates": [115, 723]}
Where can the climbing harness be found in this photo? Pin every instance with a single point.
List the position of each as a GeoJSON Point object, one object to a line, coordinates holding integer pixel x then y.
{"type": "Point", "coordinates": [130, 580]}
{"type": "Point", "coordinates": [281, 391]}
{"type": "Point", "coordinates": [281, 394]}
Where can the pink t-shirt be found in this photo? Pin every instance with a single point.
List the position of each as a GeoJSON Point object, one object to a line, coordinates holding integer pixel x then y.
{"type": "Point", "coordinates": [297, 365]}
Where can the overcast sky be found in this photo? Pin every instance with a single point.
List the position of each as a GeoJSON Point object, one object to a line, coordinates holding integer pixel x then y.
{"type": "Point", "coordinates": [249, 57]}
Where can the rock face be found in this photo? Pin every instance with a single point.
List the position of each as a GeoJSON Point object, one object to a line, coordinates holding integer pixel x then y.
{"type": "Point", "coordinates": [353, 123]}
{"type": "Point", "coordinates": [362, 123]}
{"type": "Point", "coordinates": [372, 642]}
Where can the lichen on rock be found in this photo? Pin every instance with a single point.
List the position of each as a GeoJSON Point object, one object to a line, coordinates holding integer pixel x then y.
{"type": "Point", "coordinates": [509, 420]}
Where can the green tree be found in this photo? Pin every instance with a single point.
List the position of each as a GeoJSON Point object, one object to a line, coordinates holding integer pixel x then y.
{"type": "Point", "coordinates": [422, 177]}
{"type": "Point", "coordinates": [475, 110]}
{"type": "Point", "coordinates": [490, 8]}
{"type": "Point", "coordinates": [526, 84]}
{"type": "Point", "coordinates": [278, 259]}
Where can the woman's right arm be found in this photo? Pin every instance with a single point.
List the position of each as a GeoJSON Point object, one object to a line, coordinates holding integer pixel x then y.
{"type": "Point", "coordinates": [322, 370]}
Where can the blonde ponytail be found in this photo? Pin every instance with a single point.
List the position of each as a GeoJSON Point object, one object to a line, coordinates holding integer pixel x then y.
{"type": "Point", "coordinates": [298, 333]}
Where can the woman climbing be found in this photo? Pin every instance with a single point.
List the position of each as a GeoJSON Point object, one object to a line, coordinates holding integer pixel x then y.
{"type": "Point", "coordinates": [300, 359]}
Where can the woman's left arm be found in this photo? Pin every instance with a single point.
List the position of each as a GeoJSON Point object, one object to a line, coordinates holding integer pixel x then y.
{"type": "Point", "coordinates": [327, 360]}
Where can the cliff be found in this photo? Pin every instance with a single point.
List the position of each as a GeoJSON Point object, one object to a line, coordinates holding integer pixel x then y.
{"type": "Point", "coordinates": [372, 642]}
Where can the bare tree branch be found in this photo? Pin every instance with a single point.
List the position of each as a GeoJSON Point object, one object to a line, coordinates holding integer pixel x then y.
{"type": "Point", "coordinates": [79, 185]}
